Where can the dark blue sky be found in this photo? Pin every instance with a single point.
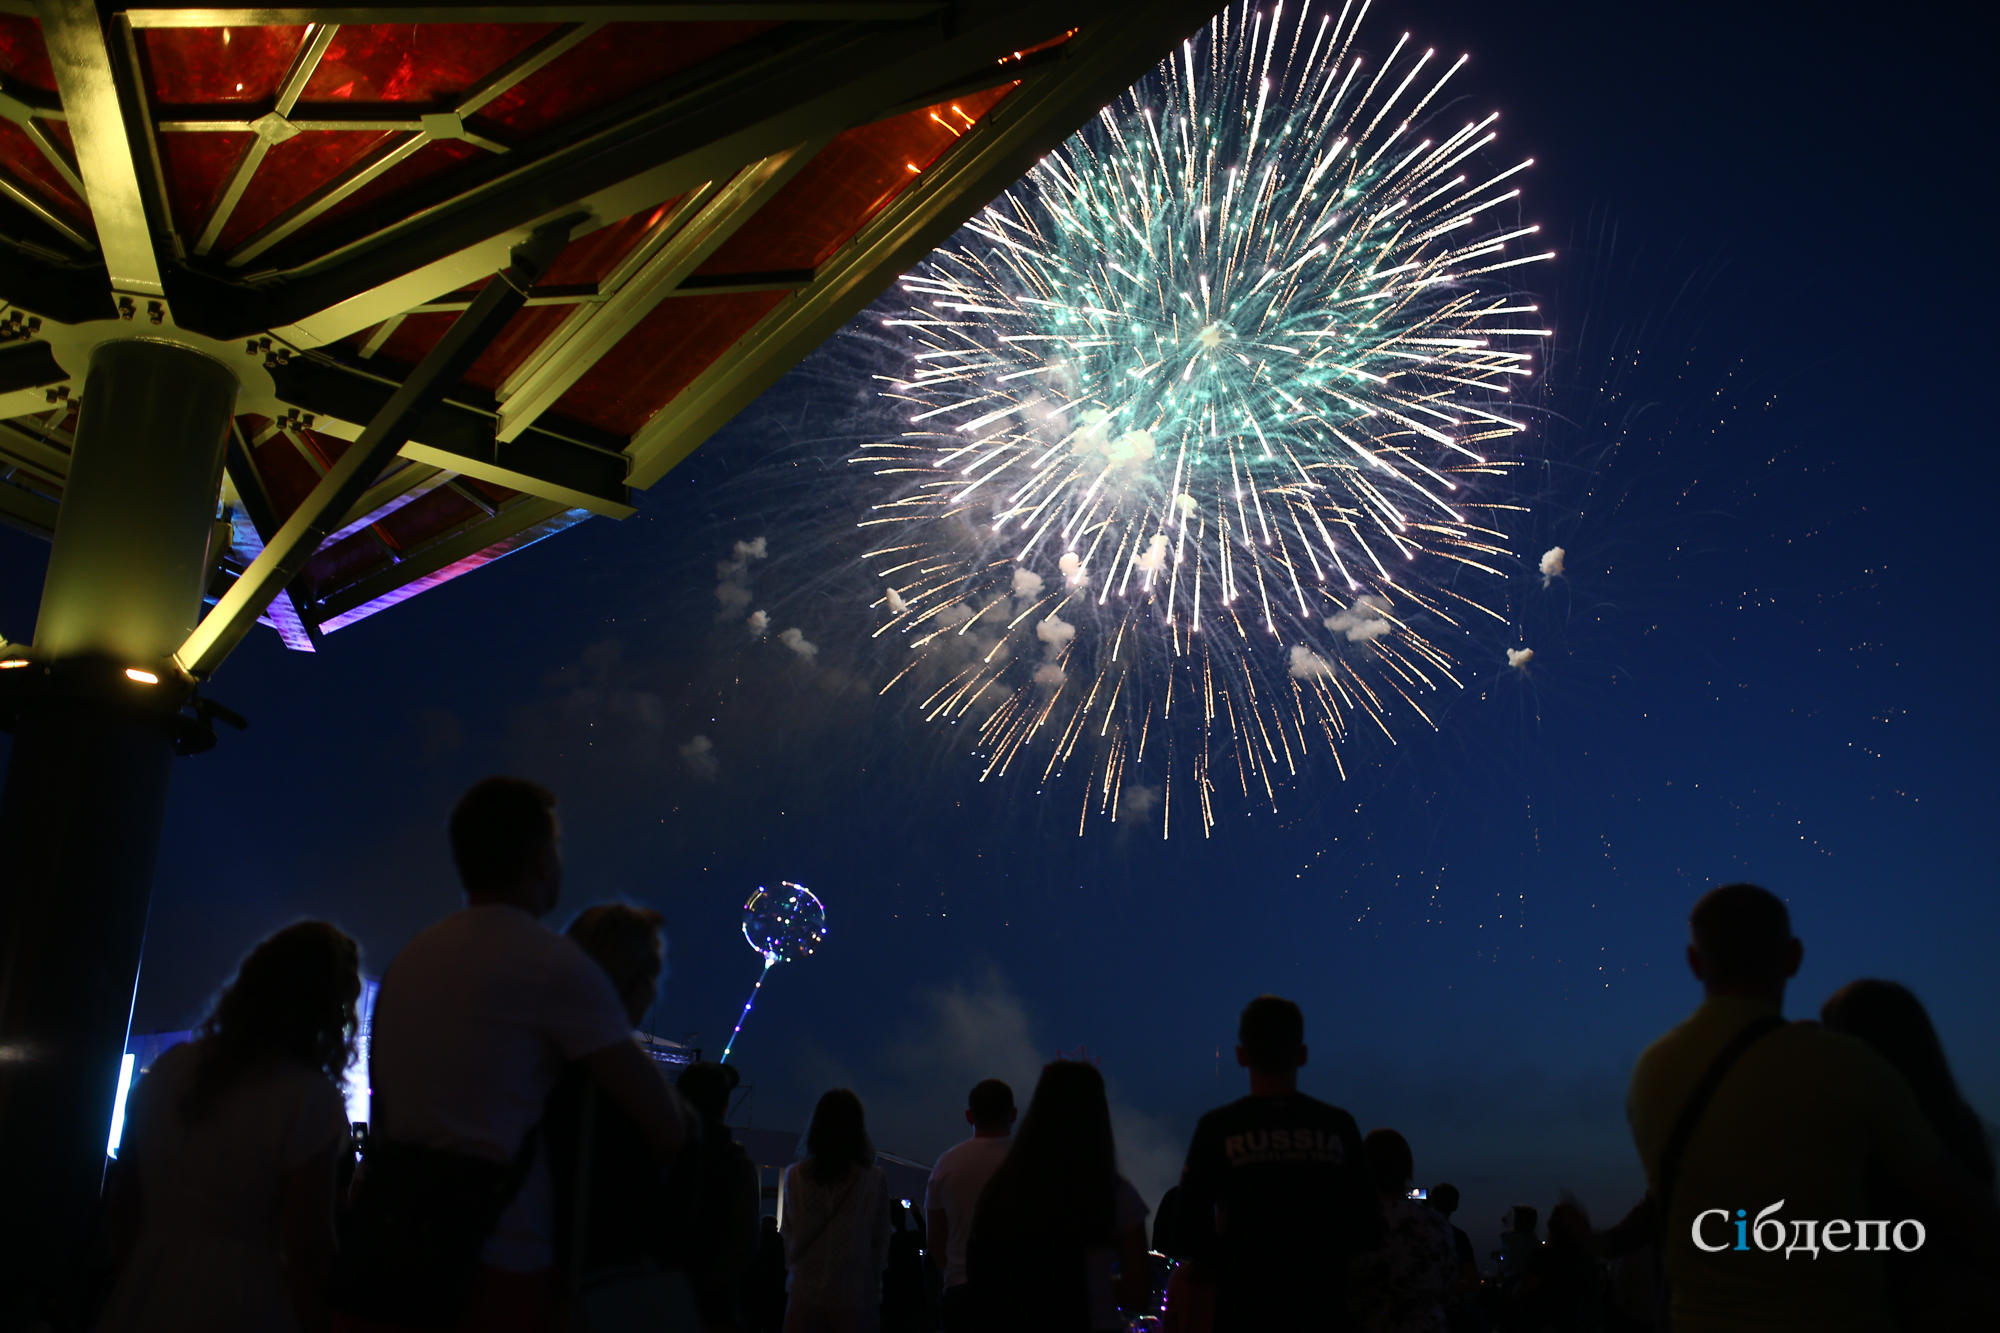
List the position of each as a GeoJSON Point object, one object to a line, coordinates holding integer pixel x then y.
{"type": "Point", "coordinates": [1771, 660]}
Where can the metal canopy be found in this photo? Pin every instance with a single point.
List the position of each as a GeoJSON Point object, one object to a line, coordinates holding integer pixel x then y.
{"type": "Point", "coordinates": [315, 194]}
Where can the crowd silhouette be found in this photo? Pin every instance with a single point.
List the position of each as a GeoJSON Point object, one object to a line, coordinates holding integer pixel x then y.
{"type": "Point", "coordinates": [528, 1167]}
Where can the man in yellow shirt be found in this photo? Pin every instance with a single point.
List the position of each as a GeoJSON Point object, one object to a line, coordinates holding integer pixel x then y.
{"type": "Point", "coordinates": [1769, 1226]}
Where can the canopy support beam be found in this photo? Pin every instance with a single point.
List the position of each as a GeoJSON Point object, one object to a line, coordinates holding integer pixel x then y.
{"type": "Point", "coordinates": [323, 510]}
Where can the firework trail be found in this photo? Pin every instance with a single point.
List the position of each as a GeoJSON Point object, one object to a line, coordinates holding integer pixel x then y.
{"type": "Point", "coordinates": [1200, 470]}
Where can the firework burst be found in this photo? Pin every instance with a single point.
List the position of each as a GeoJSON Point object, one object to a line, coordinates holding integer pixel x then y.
{"type": "Point", "coordinates": [1202, 472]}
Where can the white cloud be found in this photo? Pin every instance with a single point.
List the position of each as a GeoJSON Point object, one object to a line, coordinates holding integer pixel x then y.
{"type": "Point", "coordinates": [1027, 584]}
{"type": "Point", "coordinates": [1094, 435]}
{"type": "Point", "coordinates": [1362, 622]}
{"type": "Point", "coordinates": [1056, 634]}
{"type": "Point", "coordinates": [796, 640]}
{"type": "Point", "coordinates": [759, 622]}
{"type": "Point", "coordinates": [1308, 665]}
{"type": "Point", "coordinates": [1134, 446]}
{"type": "Point", "coordinates": [1552, 564]}
{"type": "Point", "coordinates": [1137, 803]}
{"type": "Point", "coordinates": [1520, 657]}
{"type": "Point", "coordinates": [698, 753]}
{"type": "Point", "coordinates": [732, 587]}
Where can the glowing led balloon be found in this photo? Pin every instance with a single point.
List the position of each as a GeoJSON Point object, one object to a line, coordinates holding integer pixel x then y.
{"type": "Point", "coordinates": [1200, 471]}
{"type": "Point", "coordinates": [784, 925]}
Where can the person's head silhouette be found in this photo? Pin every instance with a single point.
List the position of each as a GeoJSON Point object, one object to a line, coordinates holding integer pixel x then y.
{"type": "Point", "coordinates": [1740, 943]}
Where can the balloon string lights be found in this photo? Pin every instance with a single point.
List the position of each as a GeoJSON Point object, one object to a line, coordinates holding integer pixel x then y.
{"type": "Point", "coordinates": [769, 961]}
{"type": "Point", "coordinates": [783, 925]}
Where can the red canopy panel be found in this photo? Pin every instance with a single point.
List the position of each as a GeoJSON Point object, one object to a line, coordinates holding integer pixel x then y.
{"type": "Point", "coordinates": [592, 258]}
{"type": "Point", "coordinates": [848, 182]}
{"type": "Point", "coordinates": [432, 160]}
{"type": "Point", "coordinates": [682, 337]}
{"type": "Point", "coordinates": [585, 263]}
{"type": "Point", "coordinates": [197, 167]}
{"type": "Point", "coordinates": [219, 65]}
{"type": "Point", "coordinates": [414, 62]}
{"type": "Point", "coordinates": [206, 84]}
{"type": "Point", "coordinates": [805, 223]}
{"type": "Point", "coordinates": [291, 173]}
{"type": "Point", "coordinates": [431, 515]}
{"type": "Point", "coordinates": [288, 468]}
{"type": "Point", "coordinates": [620, 59]}
{"type": "Point", "coordinates": [24, 56]}
{"type": "Point", "coordinates": [28, 165]}
{"type": "Point", "coordinates": [819, 210]}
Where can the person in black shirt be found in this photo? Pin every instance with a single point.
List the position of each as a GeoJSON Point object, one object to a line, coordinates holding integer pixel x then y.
{"type": "Point", "coordinates": [1274, 1198]}
{"type": "Point", "coordinates": [629, 1218]}
{"type": "Point", "coordinates": [1166, 1239]}
{"type": "Point", "coordinates": [718, 1198]}
{"type": "Point", "coordinates": [1465, 1291]}
{"type": "Point", "coordinates": [763, 1289]}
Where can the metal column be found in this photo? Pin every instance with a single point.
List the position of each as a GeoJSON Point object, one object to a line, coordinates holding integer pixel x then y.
{"type": "Point", "coordinates": [86, 789]}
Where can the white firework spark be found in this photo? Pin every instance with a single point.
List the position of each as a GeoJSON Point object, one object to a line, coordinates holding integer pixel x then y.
{"type": "Point", "coordinates": [1203, 420]}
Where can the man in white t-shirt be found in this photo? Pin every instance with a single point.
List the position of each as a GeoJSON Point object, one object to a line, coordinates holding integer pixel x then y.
{"type": "Point", "coordinates": [960, 1174]}
{"type": "Point", "coordinates": [477, 1017]}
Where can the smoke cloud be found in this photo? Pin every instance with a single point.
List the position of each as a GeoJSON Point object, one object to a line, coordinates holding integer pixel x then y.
{"type": "Point", "coordinates": [1027, 584]}
{"type": "Point", "coordinates": [896, 603]}
{"type": "Point", "coordinates": [1072, 568]}
{"type": "Point", "coordinates": [698, 753]}
{"type": "Point", "coordinates": [1552, 564]}
{"type": "Point", "coordinates": [1520, 657]}
{"type": "Point", "coordinates": [1154, 558]}
{"type": "Point", "coordinates": [1137, 803]}
{"type": "Point", "coordinates": [1056, 634]}
{"type": "Point", "coordinates": [759, 622]}
{"type": "Point", "coordinates": [732, 587]}
{"type": "Point", "coordinates": [1361, 622]}
{"type": "Point", "coordinates": [1308, 665]}
{"type": "Point", "coordinates": [796, 640]}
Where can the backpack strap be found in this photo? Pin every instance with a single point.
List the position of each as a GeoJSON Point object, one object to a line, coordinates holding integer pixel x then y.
{"type": "Point", "coordinates": [1697, 1104]}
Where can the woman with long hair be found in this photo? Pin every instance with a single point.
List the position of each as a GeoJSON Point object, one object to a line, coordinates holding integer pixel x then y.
{"type": "Point", "coordinates": [1059, 1237]}
{"type": "Point", "coordinates": [223, 1201]}
{"type": "Point", "coordinates": [1943, 1284]}
{"type": "Point", "coordinates": [1891, 1019]}
{"type": "Point", "coordinates": [833, 1212]}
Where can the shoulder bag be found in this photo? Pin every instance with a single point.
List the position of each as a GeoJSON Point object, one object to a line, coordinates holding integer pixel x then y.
{"type": "Point", "coordinates": [410, 1252]}
{"type": "Point", "coordinates": [629, 1298]}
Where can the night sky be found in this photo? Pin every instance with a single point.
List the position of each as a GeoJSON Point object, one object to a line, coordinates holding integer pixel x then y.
{"type": "Point", "coordinates": [1770, 660]}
